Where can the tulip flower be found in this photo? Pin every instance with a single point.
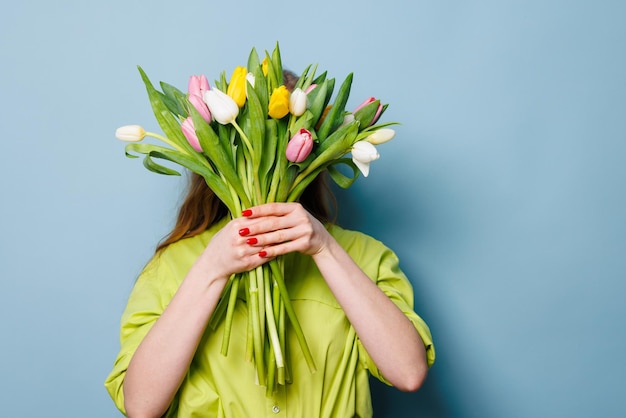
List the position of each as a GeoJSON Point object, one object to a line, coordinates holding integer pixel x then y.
{"type": "Point", "coordinates": [250, 79]}
{"type": "Point", "coordinates": [363, 153]}
{"type": "Point", "coordinates": [190, 133]}
{"type": "Point", "coordinates": [130, 133]}
{"type": "Point", "coordinates": [378, 111]}
{"type": "Point", "coordinates": [201, 107]}
{"type": "Point", "coordinates": [222, 107]}
{"type": "Point", "coordinates": [198, 84]}
{"type": "Point", "coordinates": [311, 87]}
{"type": "Point", "coordinates": [237, 86]}
{"type": "Point", "coordinates": [297, 102]}
{"type": "Point", "coordinates": [347, 119]}
{"type": "Point", "coordinates": [299, 146]}
{"type": "Point", "coordinates": [265, 66]}
{"type": "Point", "coordinates": [279, 103]}
{"type": "Point", "coordinates": [380, 136]}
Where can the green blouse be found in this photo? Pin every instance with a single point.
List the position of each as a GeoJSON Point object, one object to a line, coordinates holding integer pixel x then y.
{"type": "Point", "coordinates": [224, 386]}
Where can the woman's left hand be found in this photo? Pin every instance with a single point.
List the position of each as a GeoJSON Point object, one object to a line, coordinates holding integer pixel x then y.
{"type": "Point", "coordinates": [281, 228]}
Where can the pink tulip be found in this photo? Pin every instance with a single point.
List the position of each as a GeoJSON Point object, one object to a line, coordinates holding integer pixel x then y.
{"type": "Point", "coordinates": [190, 133]}
{"type": "Point", "coordinates": [311, 87]}
{"type": "Point", "coordinates": [198, 84]}
{"type": "Point", "coordinates": [378, 111]}
{"type": "Point", "coordinates": [299, 146]}
{"type": "Point", "coordinates": [201, 107]}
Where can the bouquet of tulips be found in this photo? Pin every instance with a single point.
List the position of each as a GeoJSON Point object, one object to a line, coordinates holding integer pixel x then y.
{"type": "Point", "coordinates": [254, 142]}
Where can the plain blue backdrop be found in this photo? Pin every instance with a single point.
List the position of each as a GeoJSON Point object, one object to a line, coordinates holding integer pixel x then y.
{"type": "Point", "coordinates": [502, 193]}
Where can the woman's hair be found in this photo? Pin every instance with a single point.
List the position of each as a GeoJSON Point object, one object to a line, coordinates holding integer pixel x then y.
{"type": "Point", "coordinates": [201, 208]}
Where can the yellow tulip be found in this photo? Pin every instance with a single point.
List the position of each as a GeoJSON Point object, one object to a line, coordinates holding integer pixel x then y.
{"type": "Point", "coordinates": [237, 86]}
{"type": "Point", "coordinates": [279, 103]}
{"type": "Point", "coordinates": [264, 66]}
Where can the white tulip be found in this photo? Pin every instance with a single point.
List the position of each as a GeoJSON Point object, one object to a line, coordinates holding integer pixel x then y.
{"type": "Point", "coordinates": [250, 78]}
{"type": "Point", "coordinates": [297, 102]}
{"type": "Point", "coordinates": [363, 153]}
{"type": "Point", "coordinates": [380, 136]}
{"type": "Point", "coordinates": [347, 119]}
{"type": "Point", "coordinates": [130, 133]}
{"type": "Point", "coordinates": [222, 107]}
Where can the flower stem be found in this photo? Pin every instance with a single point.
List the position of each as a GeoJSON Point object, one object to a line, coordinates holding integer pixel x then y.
{"type": "Point", "coordinates": [253, 312]}
{"type": "Point", "coordinates": [228, 324]}
{"type": "Point", "coordinates": [167, 141]}
{"type": "Point", "coordinates": [278, 276]}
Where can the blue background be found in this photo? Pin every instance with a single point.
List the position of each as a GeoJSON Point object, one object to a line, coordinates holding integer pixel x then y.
{"type": "Point", "coordinates": [503, 191]}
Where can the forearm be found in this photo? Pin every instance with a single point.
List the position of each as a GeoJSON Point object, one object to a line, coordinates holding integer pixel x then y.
{"type": "Point", "coordinates": [389, 337]}
{"type": "Point", "coordinates": [163, 357]}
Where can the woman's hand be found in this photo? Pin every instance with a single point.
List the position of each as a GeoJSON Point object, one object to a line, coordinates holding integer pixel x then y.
{"type": "Point", "coordinates": [262, 233]}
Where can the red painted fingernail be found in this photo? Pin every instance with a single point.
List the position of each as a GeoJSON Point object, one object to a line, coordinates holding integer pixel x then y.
{"type": "Point", "coordinates": [252, 241]}
{"type": "Point", "coordinates": [244, 231]}
{"type": "Point", "coordinates": [262, 254]}
{"type": "Point", "coordinates": [246, 212]}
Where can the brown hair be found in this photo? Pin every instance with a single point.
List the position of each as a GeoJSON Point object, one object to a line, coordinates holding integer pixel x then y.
{"type": "Point", "coordinates": [201, 208]}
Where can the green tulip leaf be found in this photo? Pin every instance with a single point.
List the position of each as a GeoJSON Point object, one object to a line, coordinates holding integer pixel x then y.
{"type": "Point", "coordinates": [260, 88]}
{"type": "Point", "coordinates": [320, 78]}
{"type": "Point", "coordinates": [334, 118]}
{"type": "Point", "coordinates": [268, 158]}
{"type": "Point", "coordinates": [256, 122]}
{"type": "Point", "coordinates": [304, 121]}
{"type": "Point", "coordinates": [174, 99]}
{"type": "Point", "coordinates": [219, 155]}
{"type": "Point", "coordinates": [341, 179]}
{"type": "Point", "coordinates": [342, 138]}
{"type": "Point", "coordinates": [317, 101]}
{"type": "Point", "coordinates": [253, 60]}
{"type": "Point", "coordinates": [277, 64]}
{"type": "Point", "coordinates": [149, 163]}
{"type": "Point", "coordinates": [304, 80]}
{"type": "Point", "coordinates": [168, 123]}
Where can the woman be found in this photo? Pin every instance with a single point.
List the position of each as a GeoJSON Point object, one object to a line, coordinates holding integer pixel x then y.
{"type": "Point", "coordinates": [353, 302]}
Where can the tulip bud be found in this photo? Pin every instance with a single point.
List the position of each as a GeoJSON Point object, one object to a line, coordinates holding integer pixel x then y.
{"type": "Point", "coordinates": [250, 79]}
{"type": "Point", "coordinates": [380, 136]}
{"type": "Point", "coordinates": [299, 146]}
{"type": "Point", "coordinates": [201, 107]}
{"type": "Point", "coordinates": [237, 86]}
{"type": "Point", "coordinates": [363, 153]}
{"type": "Point", "coordinates": [130, 133]}
{"type": "Point", "coordinates": [378, 110]}
{"type": "Point", "coordinates": [222, 107]}
{"type": "Point", "coordinates": [297, 102]}
{"type": "Point", "coordinates": [190, 133]}
{"type": "Point", "coordinates": [347, 119]}
{"type": "Point", "coordinates": [311, 87]}
{"type": "Point", "coordinates": [198, 84]}
{"type": "Point", "coordinates": [279, 103]}
{"type": "Point", "coordinates": [265, 66]}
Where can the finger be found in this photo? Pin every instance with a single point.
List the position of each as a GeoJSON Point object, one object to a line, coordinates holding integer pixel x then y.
{"type": "Point", "coordinates": [270, 209]}
{"type": "Point", "coordinates": [272, 251]}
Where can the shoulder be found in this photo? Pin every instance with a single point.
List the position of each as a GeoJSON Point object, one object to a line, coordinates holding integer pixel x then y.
{"type": "Point", "coordinates": [368, 252]}
{"type": "Point", "coordinates": [356, 241]}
